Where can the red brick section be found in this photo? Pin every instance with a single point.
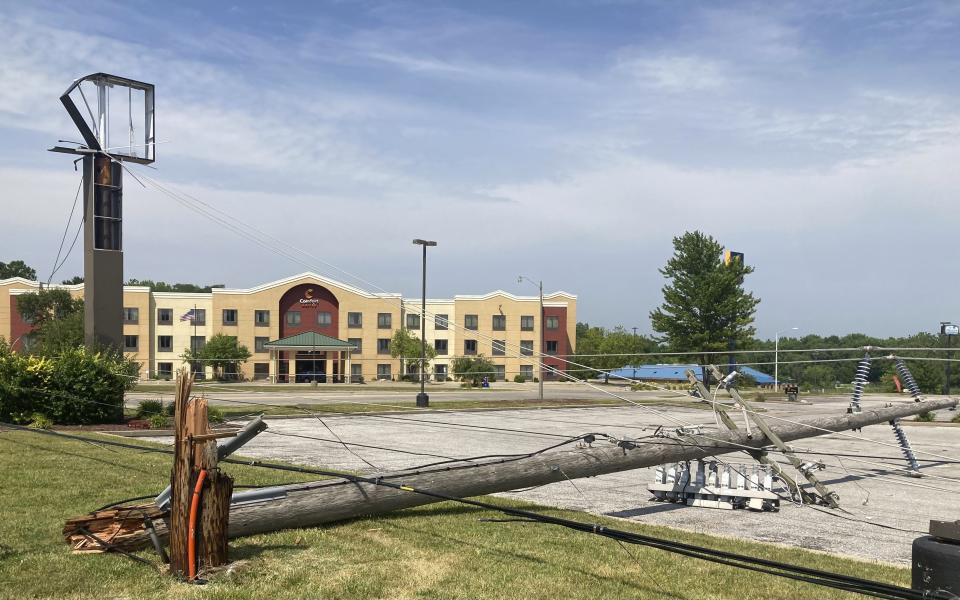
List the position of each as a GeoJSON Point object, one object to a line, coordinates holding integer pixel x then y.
{"type": "Point", "coordinates": [18, 327]}
{"type": "Point", "coordinates": [309, 299]}
{"type": "Point", "coordinates": [558, 335]}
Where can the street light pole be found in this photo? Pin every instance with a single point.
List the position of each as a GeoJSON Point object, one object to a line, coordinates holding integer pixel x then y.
{"type": "Point", "coordinates": [539, 284]}
{"type": "Point", "coordinates": [423, 400]}
{"type": "Point", "coordinates": [776, 360]}
{"type": "Point", "coordinates": [948, 330]}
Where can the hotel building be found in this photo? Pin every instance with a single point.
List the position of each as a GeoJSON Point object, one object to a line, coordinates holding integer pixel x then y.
{"type": "Point", "coordinates": [311, 328]}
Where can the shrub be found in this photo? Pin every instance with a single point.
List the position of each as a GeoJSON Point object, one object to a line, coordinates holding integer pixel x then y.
{"type": "Point", "coordinates": [925, 417]}
{"type": "Point", "coordinates": [519, 379]}
{"type": "Point", "coordinates": [215, 415]}
{"type": "Point", "coordinates": [759, 397]}
{"type": "Point", "coordinates": [158, 421]}
{"type": "Point", "coordinates": [77, 387]}
{"type": "Point", "coordinates": [955, 419]}
{"type": "Point", "coordinates": [40, 421]}
{"type": "Point", "coordinates": [169, 409]}
{"type": "Point", "coordinates": [536, 380]}
{"type": "Point", "coordinates": [148, 408]}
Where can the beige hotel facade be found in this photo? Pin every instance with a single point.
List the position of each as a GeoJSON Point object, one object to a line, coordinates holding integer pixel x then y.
{"type": "Point", "coordinates": [310, 328]}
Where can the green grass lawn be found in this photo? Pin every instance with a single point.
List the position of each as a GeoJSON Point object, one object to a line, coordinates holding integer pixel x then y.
{"type": "Point", "coordinates": [438, 551]}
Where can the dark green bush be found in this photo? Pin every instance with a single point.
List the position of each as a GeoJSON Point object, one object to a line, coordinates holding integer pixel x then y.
{"type": "Point", "coordinates": [77, 387]}
{"type": "Point", "coordinates": [519, 379]}
{"type": "Point", "coordinates": [926, 417]}
{"type": "Point", "coordinates": [148, 408]}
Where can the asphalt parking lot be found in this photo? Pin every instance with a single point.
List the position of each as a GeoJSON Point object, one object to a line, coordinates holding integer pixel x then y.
{"type": "Point", "coordinates": [884, 509]}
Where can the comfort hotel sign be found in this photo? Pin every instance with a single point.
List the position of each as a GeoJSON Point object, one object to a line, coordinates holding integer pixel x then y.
{"type": "Point", "coordinates": [308, 297]}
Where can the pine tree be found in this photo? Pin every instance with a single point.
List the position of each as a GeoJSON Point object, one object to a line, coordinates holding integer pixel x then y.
{"type": "Point", "coordinates": [704, 303]}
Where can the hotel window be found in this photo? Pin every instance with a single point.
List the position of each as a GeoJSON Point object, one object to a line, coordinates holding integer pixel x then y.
{"type": "Point", "coordinates": [356, 372]}
{"type": "Point", "coordinates": [526, 347]}
{"type": "Point", "coordinates": [164, 316]}
{"type": "Point", "coordinates": [551, 346]}
{"type": "Point", "coordinates": [469, 346]}
{"type": "Point", "coordinates": [384, 320]}
{"type": "Point", "coordinates": [200, 316]}
{"type": "Point", "coordinates": [499, 372]}
{"type": "Point", "coordinates": [470, 321]}
{"type": "Point", "coordinates": [357, 344]}
{"type": "Point", "coordinates": [197, 342]}
{"type": "Point", "coordinates": [164, 369]}
{"type": "Point", "coordinates": [526, 371]}
{"type": "Point", "coordinates": [499, 348]}
{"type": "Point", "coordinates": [164, 343]}
{"type": "Point", "coordinates": [259, 344]}
{"type": "Point", "coordinates": [440, 372]}
{"type": "Point", "coordinates": [131, 316]}
{"type": "Point", "coordinates": [131, 343]}
{"type": "Point", "coordinates": [261, 371]}
{"type": "Point", "coordinates": [324, 319]}
{"type": "Point", "coordinates": [354, 319]}
{"type": "Point", "coordinates": [553, 322]}
{"type": "Point", "coordinates": [526, 323]}
{"type": "Point", "coordinates": [383, 346]}
{"type": "Point", "coordinates": [440, 346]}
{"type": "Point", "coordinates": [261, 318]}
{"type": "Point", "coordinates": [440, 322]}
{"type": "Point", "coordinates": [499, 323]}
{"type": "Point", "coordinates": [413, 321]}
{"type": "Point", "coordinates": [383, 372]}
{"type": "Point", "coordinates": [229, 316]}
{"type": "Point", "coordinates": [293, 317]}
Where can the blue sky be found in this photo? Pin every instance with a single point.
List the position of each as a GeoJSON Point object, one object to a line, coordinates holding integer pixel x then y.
{"type": "Point", "coordinates": [565, 140]}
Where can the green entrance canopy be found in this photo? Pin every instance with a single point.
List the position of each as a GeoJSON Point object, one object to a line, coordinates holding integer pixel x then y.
{"type": "Point", "coordinates": [310, 340]}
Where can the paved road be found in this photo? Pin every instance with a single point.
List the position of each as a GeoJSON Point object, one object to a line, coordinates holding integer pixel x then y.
{"type": "Point", "coordinates": [447, 393]}
{"type": "Point", "coordinates": [874, 490]}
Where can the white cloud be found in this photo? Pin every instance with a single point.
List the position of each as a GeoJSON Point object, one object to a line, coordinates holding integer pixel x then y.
{"type": "Point", "coordinates": [675, 74]}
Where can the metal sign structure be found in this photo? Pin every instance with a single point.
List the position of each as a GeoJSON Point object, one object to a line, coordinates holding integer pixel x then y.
{"type": "Point", "coordinates": [116, 119]}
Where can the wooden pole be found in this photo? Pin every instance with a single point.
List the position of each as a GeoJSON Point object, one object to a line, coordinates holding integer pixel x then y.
{"type": "Point", "coordinates": [339, 499]}
{"type": "Point", "coordinates": [195, 449]}
{"type": "Point", "coordinates": [332, 500]}
{"type": "Point", "coordinates": [181, 477]}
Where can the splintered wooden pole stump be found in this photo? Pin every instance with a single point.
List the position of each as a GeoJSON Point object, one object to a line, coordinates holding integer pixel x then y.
{"type": "Point", "coordinates": [214, 513]}
{"type": "Point", "coordinates": [182, 475]}
{"type": "Point", "coordinates": [195, 450]}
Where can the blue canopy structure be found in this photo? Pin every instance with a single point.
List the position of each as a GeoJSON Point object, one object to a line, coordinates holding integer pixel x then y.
{"type": "Point", "coordinates": [678, 373]}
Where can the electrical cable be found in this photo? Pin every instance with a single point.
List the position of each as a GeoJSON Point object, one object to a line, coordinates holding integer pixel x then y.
{"type": "Point", "coordinates": [66, 228]}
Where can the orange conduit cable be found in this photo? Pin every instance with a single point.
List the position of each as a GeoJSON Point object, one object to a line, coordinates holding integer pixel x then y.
{"type": "Point", "coordinates": [192, 532]}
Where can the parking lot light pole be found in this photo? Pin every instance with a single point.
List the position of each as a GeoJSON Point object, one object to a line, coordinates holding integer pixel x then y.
{"type": "Point", "coordinates": [423, 400]}
{"type": "Point", "coordinates": [539, 284]}
{"type": "Point", "coordinates": [776, 360]}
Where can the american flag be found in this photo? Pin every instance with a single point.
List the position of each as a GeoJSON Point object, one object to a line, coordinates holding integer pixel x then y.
{"type": "Point", "coordinates": [190, 315]}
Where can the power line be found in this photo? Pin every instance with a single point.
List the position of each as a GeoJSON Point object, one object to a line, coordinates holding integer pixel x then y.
{"type": "Point", "coordinates": [56, 262]}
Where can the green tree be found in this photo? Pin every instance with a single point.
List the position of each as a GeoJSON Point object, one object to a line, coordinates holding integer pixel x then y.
{"type": "Point", "coordinates": [57, 320]}
{"type": "Point", "coordinates": [73, 280]}
{"type": "Point", "coordinates": [472, 369]}
{"type": "Point", "coordinates": [17, 268]}
{"type": "Point", "coordinates": [406, 346]}
{"type": "Point", "coordinates": [223, 353]}
{"type": "Point", "coordinates": [163, 286]}
{"type": "Point", "coordinates": [704, 303]}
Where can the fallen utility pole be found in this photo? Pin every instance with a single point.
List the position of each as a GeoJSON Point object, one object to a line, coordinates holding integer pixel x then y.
{"type": "Point", "coordinates": [338, 499]}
